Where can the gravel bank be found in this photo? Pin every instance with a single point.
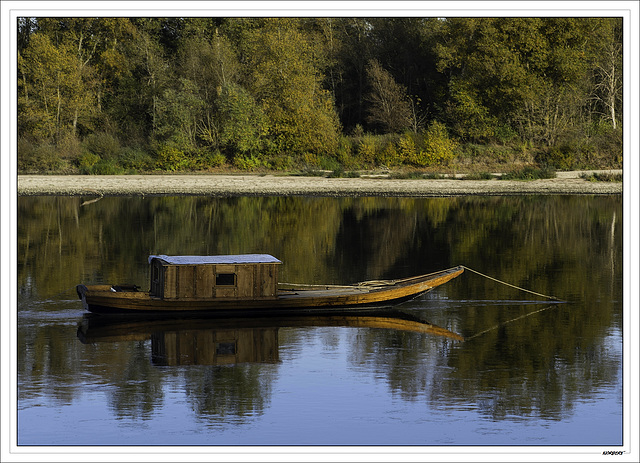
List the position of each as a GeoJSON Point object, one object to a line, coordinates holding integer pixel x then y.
{"type": "Point", "coordinates": [272, 185]}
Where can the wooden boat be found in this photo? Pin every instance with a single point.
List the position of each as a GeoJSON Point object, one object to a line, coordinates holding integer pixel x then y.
{"type": "Point", "coordinates": [249, 282]}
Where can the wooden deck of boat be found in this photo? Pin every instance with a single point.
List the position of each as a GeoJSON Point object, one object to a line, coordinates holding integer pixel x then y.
{"type": "Point", "coordinates": [322, 292]}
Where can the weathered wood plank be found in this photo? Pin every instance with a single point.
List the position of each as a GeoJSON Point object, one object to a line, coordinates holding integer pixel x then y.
{"type": "Point", "coordinates": [205, 281]}
{"type": "Point", "coordinates": [185, 281]}
{"type": "Point", "coordinates": [245, 281]}
{"type": "Point", "coordinates": [170, 282]}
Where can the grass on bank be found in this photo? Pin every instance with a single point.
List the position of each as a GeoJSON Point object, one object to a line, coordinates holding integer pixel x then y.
{"type": "Point", "coordinates": [416, 175]}
{"type": "Point", "coordinates": [601, 177]}
{"type": "Point", "coordinates": [530, 173]}
{"type": "Point", "coordinates": [524, 173]}
{"type": "Point", "coordinates": [479, 176]}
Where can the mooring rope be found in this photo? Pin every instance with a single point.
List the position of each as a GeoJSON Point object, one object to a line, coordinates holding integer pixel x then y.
{"type": "Point", "coordinates": [508, 321]}
{"type": "Point", "coordinates": [512, 286]}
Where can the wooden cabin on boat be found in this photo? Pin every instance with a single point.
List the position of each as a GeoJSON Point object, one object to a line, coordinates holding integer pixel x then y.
{"type": "Point", "coordinates": [231, 277]}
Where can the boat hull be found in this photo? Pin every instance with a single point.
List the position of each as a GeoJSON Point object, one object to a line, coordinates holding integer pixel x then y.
{"type": "Point", "coordinates": [290, 298]}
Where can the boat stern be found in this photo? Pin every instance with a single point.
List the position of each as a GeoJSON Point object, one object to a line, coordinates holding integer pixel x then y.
{"type": "Point", "coordinates": [81, 290]}
{"type": "Point", "coordinates": [97, 297]}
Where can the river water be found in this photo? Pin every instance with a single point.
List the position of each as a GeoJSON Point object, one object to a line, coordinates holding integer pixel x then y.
{"type": "Point", "coordinates": [530, 372]}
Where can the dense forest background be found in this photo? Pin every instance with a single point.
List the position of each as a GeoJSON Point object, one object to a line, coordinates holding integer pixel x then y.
{"type": "Point", "coordinates": [126, 95]}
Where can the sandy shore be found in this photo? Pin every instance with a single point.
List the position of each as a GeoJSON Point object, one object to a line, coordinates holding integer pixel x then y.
{"type": "Point", "coordinates": [273, 185]}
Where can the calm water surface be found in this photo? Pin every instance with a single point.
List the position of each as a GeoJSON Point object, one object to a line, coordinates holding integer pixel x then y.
{"type": "Point", "coordinates": [530, 372]}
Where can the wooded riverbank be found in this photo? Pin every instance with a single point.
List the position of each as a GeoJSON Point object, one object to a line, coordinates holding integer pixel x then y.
{"type": "Point", "coordinates": [110, 96]}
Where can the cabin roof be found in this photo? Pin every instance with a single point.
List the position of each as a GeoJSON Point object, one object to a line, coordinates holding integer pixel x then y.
{"type": "Point", "coordinates": [226, 259]}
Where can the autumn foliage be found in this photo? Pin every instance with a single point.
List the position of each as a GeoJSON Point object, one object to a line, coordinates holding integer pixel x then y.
{"type": "Point", "coordinates": [122, 95]}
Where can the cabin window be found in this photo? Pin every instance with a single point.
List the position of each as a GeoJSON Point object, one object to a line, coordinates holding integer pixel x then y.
{"type": "Point", "coordinates": [226, 348]}
{"type": "Point", "coordinates": [225, 279]}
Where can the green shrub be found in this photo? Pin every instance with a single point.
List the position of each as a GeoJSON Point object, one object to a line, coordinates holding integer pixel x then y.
{"type": "Point", "coordinates": [69, 147]}
{"type": "Point", "coordinates": [106, 167]}
{"type": "Point", "coordinates": [205, 158]}
{"type": "Point", "coordinates": [280, 162]}
{"type": "Point", "coordinates": [472, 150]}
{"type": "Point", "coordinates": [607, 143]}
{"type": "Point", "coordinates": [103, 144]}
{"type": "Point", "coordinates": [438, 148]}
{"type": "Point", "coordinates": [26, 154]}
{"type": "Point", "coordinates": [135, 159]}
{"type": "Point", "coordinates": [37, 158]}
{"type": "Point", "coordinates": [602, 148]}
{"type": "Point", "coordinates": [310, 161]}
{"type": "Point", "coordinates": [341, 173]}
{"type": "Point", "coordinates": [560, 157]}
{"type": "Point", "coordinates": [172, 159]}
{"type": "Point", "coordinates": [479, 176]}
{"type": "Point", "coordinates": [602, 177]}
{"type": "Point", "coordinates": [367, 149]}
{"type": "Point", "coordinates": [406, 175]}
{"type": "Point", "coordinates": [388, 156]}
{"type": "Point", "coordinates": [328, 162]}
{"type": "Point", "coordinates": [247, 163]}
{"type": "Point", "coordinates": [86, 161]}
{"type": "Point", "coordinates": [344, 152]}
{"type": "Point", "coordinates": [530, 173]}
{"type": "Point", "coordinates": [215, 159]}
{"type": "Point", "coordinates": [505, 134]}
{"type": "Point", "coordinates": [407, 148]}
{"type": "Point", "coordinates": [337, 173]}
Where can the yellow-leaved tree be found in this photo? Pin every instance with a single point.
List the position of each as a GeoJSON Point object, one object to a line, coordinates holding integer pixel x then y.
{"type": "Point", "coordinates": [286, 80]}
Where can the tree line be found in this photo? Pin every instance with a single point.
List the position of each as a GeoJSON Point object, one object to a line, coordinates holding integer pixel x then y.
{"type": "Point", "coordinates": [116, 95]}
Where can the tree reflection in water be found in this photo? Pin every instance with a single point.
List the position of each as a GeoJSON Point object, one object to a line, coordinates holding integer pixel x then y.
{"type": "Point", "coordinates": [539, 365]}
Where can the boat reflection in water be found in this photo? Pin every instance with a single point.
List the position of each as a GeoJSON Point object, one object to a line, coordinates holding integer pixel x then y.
{"type": "Point", "coordinates": [230, 340]}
